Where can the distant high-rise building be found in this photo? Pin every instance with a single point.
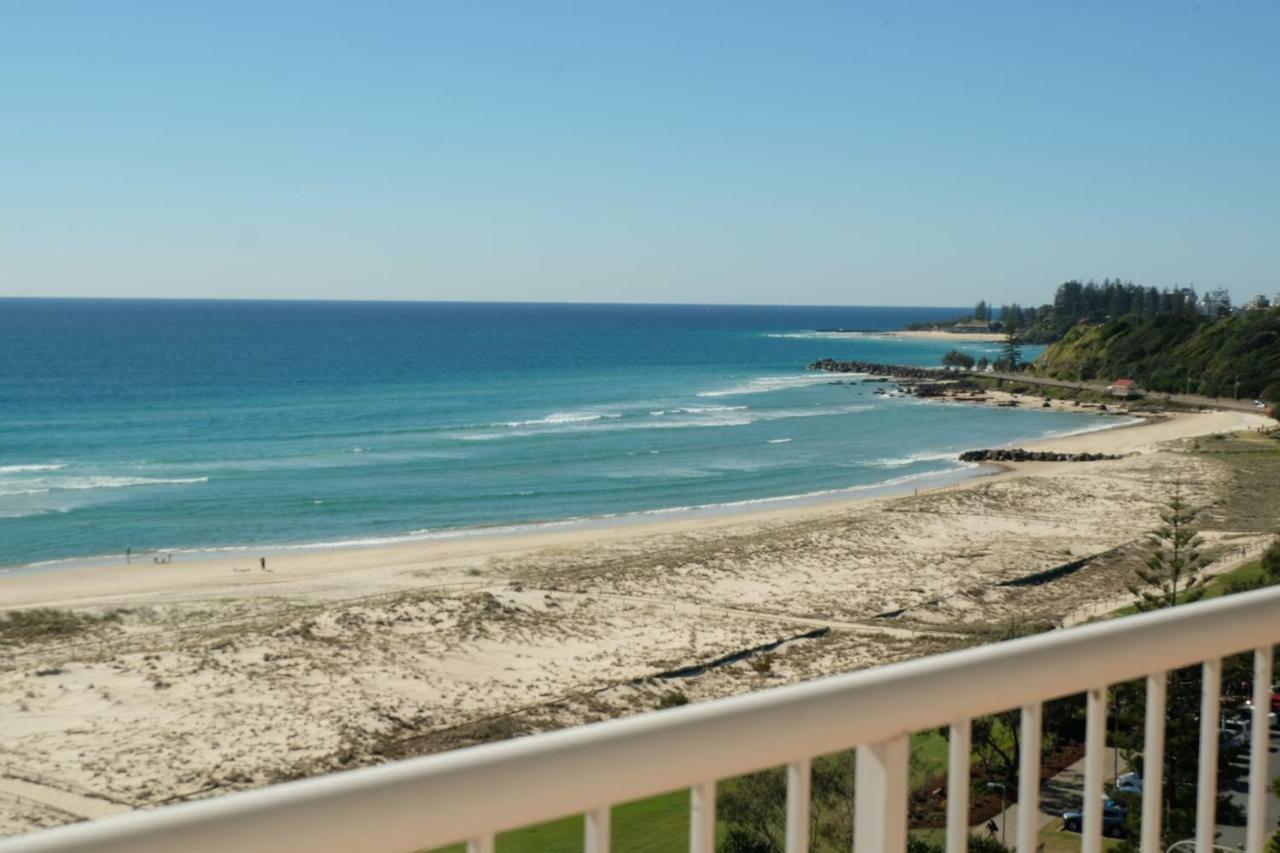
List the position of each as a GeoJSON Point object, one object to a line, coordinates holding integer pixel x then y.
{"type": "Point", "coordinates": [1214, 302]}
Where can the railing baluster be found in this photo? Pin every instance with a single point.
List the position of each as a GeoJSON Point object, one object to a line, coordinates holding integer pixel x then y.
{"type": "Point", "coordinates": [483, 844]}
{"type": "Point", "coordinates": [596, 829]}
{"type": "Point", "coordinates": [1255, 834]}
{"type": "Point", "coordinates": [1095, 747]}
{"type": "Point", "coordinates": [880, 797]}
{"type": "Point", "coordinates": [1153, 762]}
{"type": "Point", "coordinates": [958, 787]}
{"type": "Point", "coordinates": [1029, 779]}
{"type": "Point", "coordinates": [798, 806]}
{"type": "Point", "coordinates": [1207, 784]}
{"type": "Point", "coordinates": [702, 818]}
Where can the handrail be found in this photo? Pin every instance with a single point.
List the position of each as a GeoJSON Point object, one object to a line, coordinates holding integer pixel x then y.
{"type": "Point", "coordinates": [435, 800]}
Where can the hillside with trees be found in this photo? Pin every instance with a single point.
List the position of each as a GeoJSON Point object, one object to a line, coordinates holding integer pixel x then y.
{"type": "Point", "coordinates": [1076, 302]}
{"type": "Point", "coordinates": [1175, 352]}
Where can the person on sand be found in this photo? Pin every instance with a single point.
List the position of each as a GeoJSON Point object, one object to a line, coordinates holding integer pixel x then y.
{"type": "Point", "coordinates": [262, 561]}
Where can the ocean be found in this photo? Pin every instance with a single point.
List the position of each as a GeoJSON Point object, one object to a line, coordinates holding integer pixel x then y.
{"type": "Point", "coordinates": [198, 426]}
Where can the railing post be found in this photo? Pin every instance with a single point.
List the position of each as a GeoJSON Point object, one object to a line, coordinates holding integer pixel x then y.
{"type": "Point", "coordinates": [798, 806]}
{"type": "Point", "coordinates": [958, 786]}
{"type": "Point", "coordinates": [1029, 780]}
{"type": "Point", "coordinates": [597, 829]}
{"type": "Point", "coordinates": [1207, 784]}
{"type": "Point", "coordinates": [1153, 762]}
{"type": "Point", "coordinates": [880, 797]}
{"type": "Point", "coordinates": [1256, 832]}
{"type": "Point", "coordinates": [702, 818]}
{"type": "Point", "coordinates": [1095, 747]}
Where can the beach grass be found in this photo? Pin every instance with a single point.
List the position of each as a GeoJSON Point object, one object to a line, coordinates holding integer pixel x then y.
{"type": "Point", "coordinates": [45, 624]}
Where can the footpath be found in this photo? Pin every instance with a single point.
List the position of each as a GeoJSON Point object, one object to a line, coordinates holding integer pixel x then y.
{"type": "Point", "coordinates": [1058, 794]}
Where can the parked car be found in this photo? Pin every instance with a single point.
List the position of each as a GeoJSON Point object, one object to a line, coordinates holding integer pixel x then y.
{"type": "Point", "coordinates": [1113, 815]}
{"type": "Point", "coordinates": [1234, 734]}
{"type": "Point", "coordinates": [1271, 715]}
{"type": "Point", "coordinates": [1258, 404]}
{"type": "Point", "coordinates": [1129, 783]}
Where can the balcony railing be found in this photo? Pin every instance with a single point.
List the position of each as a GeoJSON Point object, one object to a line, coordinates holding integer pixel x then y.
{"type": "Point", "coordinates": [472, 794]}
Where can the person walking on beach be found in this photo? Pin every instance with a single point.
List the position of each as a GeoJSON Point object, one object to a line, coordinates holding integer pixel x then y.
{"type": "Point", "coordinates": [128, 555]}
{"type": "Point", "coordinates": [262, 561]}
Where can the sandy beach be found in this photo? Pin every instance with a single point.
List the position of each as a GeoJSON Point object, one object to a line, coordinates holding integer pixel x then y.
{"type": "Point", "coordinates": [947, 336]}
{"type": "Point", "coordinates": [200, 677]}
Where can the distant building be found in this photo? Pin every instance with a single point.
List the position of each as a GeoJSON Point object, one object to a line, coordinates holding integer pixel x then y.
{"type": "Point", "coordinates": [973, 326]}
{"type": "Point", "coordinates": [1257, 303]}
{"type": "Point", "coordinates": [1123, 388]}
{"type": "Point", "coordinates": [1214, 303]}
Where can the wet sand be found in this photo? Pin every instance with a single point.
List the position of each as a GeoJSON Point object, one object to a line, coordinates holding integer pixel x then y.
{"type": "Point", "coordinates": [195, 678]}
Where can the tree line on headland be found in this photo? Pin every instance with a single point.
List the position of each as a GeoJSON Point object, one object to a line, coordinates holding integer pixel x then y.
{"type": "Point", "coordinates": [1076, 302]}
{"type": "Point", "coordinates": [1165, 340]}
{"type": "Point", "coordinates": [1234, 356]}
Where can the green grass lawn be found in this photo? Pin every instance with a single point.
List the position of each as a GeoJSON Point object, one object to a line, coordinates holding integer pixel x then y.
{"type": "Point", "coordinates": [661, 823]}
{"type": "Point", "coordinates": [1218, 586]}
{"type": "Point", "coordinates": [653, 825]}
{"type": "Point", "coordinates": [1214, 588]}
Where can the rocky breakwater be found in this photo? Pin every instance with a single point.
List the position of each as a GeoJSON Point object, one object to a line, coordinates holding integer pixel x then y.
{"type": "Point", "coordinates": [898, 371]}
{"type": "Point", "coordinates": [1017, 454]}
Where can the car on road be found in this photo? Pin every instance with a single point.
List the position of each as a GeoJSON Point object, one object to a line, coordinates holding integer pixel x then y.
{"type": "Point", "coordinates": [1113, 815]}
{"type": "Point", "coordinates": [1258, 404]}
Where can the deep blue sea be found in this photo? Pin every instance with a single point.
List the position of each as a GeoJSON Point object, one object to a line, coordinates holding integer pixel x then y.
{"type": "Point", "coordinates": [195, 425]}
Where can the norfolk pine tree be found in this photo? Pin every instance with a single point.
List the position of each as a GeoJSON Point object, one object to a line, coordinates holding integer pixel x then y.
{"type": "Point", "coordinates": [1175, 559]}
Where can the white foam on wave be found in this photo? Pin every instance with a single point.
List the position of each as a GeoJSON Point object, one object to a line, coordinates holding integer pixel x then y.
{"type": "Point", "coordinates": [31, 469]}
{"type": "Point", "coordinates": [766, 384]}
{"type": "Point", "coordinates": [85, 484]}
{"type": "Point", "coordinates": [561, 418]}
{"type": "Point", "coordinates": [697, 410]}
{"type": "Point", "coordinates": [1113, 422]}
{"type": "Point", "coordinates": [903, 461]}
{"type": "Point", "coordinates": [778, 440]}
{"type": "Point", "coordinates": [825, 336]}
{"type": "Point", "coordinates": [697, 418]}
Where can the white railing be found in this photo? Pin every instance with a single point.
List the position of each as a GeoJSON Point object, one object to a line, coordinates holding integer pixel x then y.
{"type": "Point", "coordinates": [472, 794]}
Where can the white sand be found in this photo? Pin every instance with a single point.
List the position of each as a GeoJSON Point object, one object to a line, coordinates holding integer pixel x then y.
{"type": "Point", "coordinates": [217, 676]}
{"type": "Point", "coordinates": [948, 336]}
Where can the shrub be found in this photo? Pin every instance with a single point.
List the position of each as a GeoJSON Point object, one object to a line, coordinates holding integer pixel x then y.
{"type": "Point", "coordinates": [673, 699]}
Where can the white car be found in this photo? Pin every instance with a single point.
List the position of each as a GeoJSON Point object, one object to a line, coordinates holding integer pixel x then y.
{"type": "Point", "coordinates": [1129, 783]}
{"type": "Point", "coordinates": [1258, 404]}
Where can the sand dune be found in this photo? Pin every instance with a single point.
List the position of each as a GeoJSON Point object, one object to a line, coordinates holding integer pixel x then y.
{"type": "Point", "coordinates": [196, 678]}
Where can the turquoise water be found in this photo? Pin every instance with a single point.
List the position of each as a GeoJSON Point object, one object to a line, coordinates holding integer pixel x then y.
{"type": "Point", "coordinates": [186, 425]}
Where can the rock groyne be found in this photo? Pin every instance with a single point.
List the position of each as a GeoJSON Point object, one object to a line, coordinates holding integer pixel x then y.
{"type": "Point", "coordinates": [1017, 454]}
{"type": "Point", "coordinates": [898, 371]}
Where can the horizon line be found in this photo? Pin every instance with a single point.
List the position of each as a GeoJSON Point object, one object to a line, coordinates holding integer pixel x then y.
{"type": "Point", "coordinates": [391, 301]}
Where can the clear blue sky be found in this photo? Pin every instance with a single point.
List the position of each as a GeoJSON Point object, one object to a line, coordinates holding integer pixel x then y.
{"type": "Point", "coordinates": [846, 153]}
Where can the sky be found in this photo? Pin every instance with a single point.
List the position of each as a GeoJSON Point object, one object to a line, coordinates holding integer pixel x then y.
{"type": "Point", "coordinates": [854, 153]}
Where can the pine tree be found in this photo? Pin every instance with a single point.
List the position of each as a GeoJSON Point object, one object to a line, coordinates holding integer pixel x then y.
{"type": "Point", "coordinates": [1175, 559]}
{"type": "Point", "coordinates": [1172, 571]}
{"type": "Point", "coordinates": [1012, 346]}
{"type": "Point", "coordinates": [1271, 563]}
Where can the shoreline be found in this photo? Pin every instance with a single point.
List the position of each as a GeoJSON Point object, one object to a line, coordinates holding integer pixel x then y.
{"type": "Point", "coordinates": [96, 580]}
{"type": "Point", "coordinates": [743, 509]}
{"type": "Point", "coordinates": [329, 660]}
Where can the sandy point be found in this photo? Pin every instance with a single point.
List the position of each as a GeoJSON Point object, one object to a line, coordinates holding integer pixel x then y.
{"type": "Point", "coordinates": [948, 336]}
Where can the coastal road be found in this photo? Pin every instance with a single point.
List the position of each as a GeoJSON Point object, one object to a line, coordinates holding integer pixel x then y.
{"type": "Point", "coordinates": [1192, 400]}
